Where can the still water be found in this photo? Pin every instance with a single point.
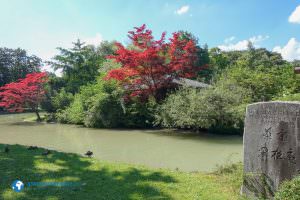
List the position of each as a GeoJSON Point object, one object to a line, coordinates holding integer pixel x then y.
{"type": "Point", "coordinates": [153, 148]}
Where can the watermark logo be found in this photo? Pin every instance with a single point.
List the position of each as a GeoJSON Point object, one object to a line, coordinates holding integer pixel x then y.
{"type": "Point", "coordinates": [17, 186]}
{"type": "Point", "coordinates": [54, 184]}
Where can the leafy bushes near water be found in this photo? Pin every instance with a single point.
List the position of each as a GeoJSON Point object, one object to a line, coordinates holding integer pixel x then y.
{"type": "Point", "coordinates": [75, 113]}
{"type": "Point", "coordinates": [109, 111]}
{"type": "Point", "coordinates": [105, 109]}
{"type": "Point", "coordinates": [101, 105]}
{"type": "Point", "coordinates": [57, 101]}
{"type": "Point", "coordinates": [140, 115]}
{"type": "Point", "coordinates": [62, 99]}
{"type": "Point", "coordinates": [221, 108]}
{"type": "Point", "coordinates": [211, 108]}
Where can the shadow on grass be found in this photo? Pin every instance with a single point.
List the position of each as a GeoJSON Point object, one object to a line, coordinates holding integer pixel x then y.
{"type": "Point", "coordinates": [97, 180]}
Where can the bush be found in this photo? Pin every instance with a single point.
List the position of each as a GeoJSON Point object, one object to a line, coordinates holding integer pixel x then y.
{"type": "Point", "coordinates": [61, 100]}
{"type": "Point", "coordinates": [76, 111]}
{"type": "Point", "coordinates": [139, 114]}
{"type": "Point", "coordinates": [291, 97]}
{"type": "Point", "coordinates": [108, 110]}
{"type": "Point", "coordinates": [101, 105]}
{"type": "Point", "coordinates": [289, 190]}
{"type": "Point", "coordinates": [214, 108]}
{"type": "Point", "coordinates": [185, 109]}
{"type": "Point", "coordinates": [54, 85]}
{"type": "Point", "coordinates": [105, 110]}
{"type": "Point", "coordinates": [56, 101]}
{"type": "Point", "coordinates": [73, 114]}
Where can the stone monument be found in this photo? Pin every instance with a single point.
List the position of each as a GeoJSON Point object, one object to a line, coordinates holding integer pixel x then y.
{"type": "Point", "coordinates": [271, 147]}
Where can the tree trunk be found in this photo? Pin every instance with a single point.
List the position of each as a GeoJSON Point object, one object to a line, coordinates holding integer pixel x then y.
{"type": "Point", "coordinates": [38, 116]}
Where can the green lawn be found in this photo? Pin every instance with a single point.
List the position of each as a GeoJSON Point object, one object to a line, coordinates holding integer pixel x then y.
{"type": "Point", "coordinates": [104, 180]}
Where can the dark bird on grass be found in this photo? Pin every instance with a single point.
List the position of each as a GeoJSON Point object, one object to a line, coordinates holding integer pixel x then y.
{"type": "Point", "coordinates": [6, 149]}
{"type": "Point", "coordinates": [89, 153]}
{"type": "Point", "coordinates": [47, 152]}
{"type": "Point", "coordinates": [32, 148]}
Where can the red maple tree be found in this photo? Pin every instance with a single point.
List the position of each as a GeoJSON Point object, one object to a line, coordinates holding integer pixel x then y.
{"type": "Point", "coordinates": [25, 93]}
{"type": "Point", "coordinates": [149, 66]}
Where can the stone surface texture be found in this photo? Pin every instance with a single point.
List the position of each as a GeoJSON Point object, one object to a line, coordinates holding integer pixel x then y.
{"type": "Point", "coordinates": [271, 147]}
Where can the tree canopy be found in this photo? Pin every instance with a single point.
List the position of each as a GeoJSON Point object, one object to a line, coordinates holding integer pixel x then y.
{"type": "Point", "coordinates": [16, 64]}
{"type": "Point", "coordinates": [149, 66]}
{"type": "Point", "coordinates": [25, 93]}
{"type": "Point", "coordinates": [80, 65]}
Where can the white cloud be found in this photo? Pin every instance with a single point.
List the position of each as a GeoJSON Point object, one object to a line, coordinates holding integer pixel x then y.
{"type": "Point", "coordinates": [230, 39]}
{"type": "Point", "coordinates": [295, 16]}
{"type": "Point", "coordinates": [182, 10]}
{"type": "Point", "coordinates": [94, 40]}
{"type": "Point", "coordinates": [243, 44]}
{"type": "Point", "coordinates": [259, 38]}
{"type": "Point", "coordinates": [291, 51]}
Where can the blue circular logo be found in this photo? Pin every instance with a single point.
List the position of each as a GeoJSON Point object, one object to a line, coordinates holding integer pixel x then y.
{"type": "Point", "coordinates": [17, 186]}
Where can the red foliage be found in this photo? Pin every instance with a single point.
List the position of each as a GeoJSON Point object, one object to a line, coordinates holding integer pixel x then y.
{"type": "Point", "coordinates": [149, 67]}
{"type": "Point", "coordinates": [27, 92]}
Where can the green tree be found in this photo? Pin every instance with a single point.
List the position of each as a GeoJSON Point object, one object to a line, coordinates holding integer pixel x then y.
{"type": "Point", "coordinates": [16, 64]}
{"type": "Point", "coordinates": [260, 57]}
{"type": "Point", "coordinates": [80, 64]}
{"type": "Point", "coordinates": [252, 58]}
{"type": "Point", "coordinates": [218, 61]}
{"type": "Point", "coordinates": [202, 56]}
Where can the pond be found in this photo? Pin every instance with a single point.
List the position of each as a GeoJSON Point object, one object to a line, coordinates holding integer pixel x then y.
{"type": "Point", "coordinates": [153, 148]}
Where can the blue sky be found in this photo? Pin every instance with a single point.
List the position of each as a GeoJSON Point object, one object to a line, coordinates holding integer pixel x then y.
{"type": "Point", "coordinates": [40, 26]}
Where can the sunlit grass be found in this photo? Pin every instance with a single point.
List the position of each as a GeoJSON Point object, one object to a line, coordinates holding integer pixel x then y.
{"type": "Point", "coordinates": [105, 180]}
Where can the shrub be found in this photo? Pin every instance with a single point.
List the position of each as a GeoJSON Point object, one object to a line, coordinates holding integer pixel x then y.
{"type": "Point", "coordinates": [73, 114]}
{"type": "Point", "coordinates": [185, 109]}
{"type": "Point", "coordinates": [50, 117]}
{"type": "Point", "coordinates": [101, 105]}
{"type": "Point", "coordinates": [291, 97]}
{"type": "Point", "coordinates": [108, 110]}
{"type": "Point", "coordinates": [46, 104]}
{"type": "Point", "coordinates": [76, 111]}
{"type": "Point", "coordinates": [56, 101]}
{"type": "Point", "coordinates": [61, 100]}
{"type": "Point", "coordinates": [289, 190]}
{"type": "Point", "coordinates": [105, 110]}
{"type": "Point", "coordinates": [214, 108]}
{"type": "Point", "coordinates": [140, 114]}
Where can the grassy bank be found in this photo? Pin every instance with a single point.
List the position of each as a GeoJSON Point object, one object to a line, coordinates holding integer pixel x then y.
{"type": "Point", "coordinates": [104, 180]}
